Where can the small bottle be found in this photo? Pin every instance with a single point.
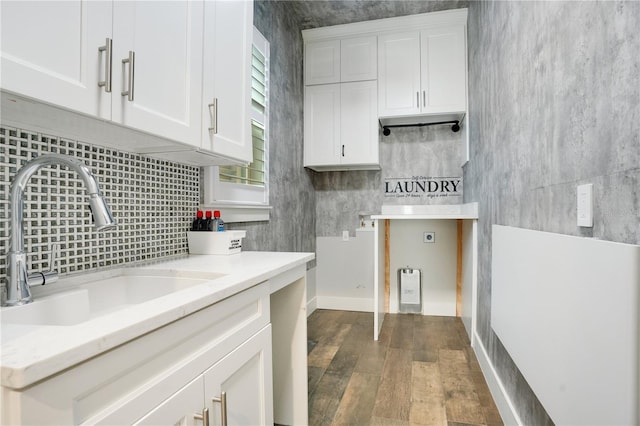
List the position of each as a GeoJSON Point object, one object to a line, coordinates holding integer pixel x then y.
{"type": "Point", "coordinates": [220, 222]}
{"type": "Point", "coordinates": [208, 222]}
{"type": "Point", "coordinates": [197, 222]}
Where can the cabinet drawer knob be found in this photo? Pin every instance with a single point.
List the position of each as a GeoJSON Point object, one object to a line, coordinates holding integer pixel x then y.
{"type": "Point", "coordinates": [131, 60]}
{"type": "Point", "coordinates": [204, 417]}
{"type": "Point", "coordinates": [106, 83]}
{"type": "Point", "coordinates": [223, 407]}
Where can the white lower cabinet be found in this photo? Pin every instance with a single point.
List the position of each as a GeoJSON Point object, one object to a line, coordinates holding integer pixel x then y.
{"type": "Point", "coordinates": [166, 375]}
{"type": "Point", "coordinates": [181, 409]}
{"type": "Point", "coordinates": [243, 377]}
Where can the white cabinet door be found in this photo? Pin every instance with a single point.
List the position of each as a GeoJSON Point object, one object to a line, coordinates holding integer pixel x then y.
{"type": "Point", "coordinates": [422, 73]}
{"type": "Point", "coordinates": [359, 124]}
{"type": "Point", "coordinates": [226, 103]}
{"type": "Point", "coordinates": [358, 59]}
{"type": "Point", "coordinates": [245, 377]}
{"type": "Point", "coordinates": [166, 38]}
{"type": "Point", "coordinates": [322, 62]}
{"type": "Point", "coordinates": [180, 409]}
{"type": "Point", "coordinates": [50, 52]}
{"type": "Point", "coordinates": [443, 64]}
{"type": "Point", "coordinates": [322, 125]}
{"type": "Point", "coordinates": [399, 74]}
{"type": "Point", "coordinates": [341, 126]}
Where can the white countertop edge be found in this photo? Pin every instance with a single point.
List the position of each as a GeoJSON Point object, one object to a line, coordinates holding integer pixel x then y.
{"type": "Point", "coordinates": [429, 211]}
{"type": "Point", "coordinates": [52, 349]}
{"type": "Point", "coordinates": [424, 216]}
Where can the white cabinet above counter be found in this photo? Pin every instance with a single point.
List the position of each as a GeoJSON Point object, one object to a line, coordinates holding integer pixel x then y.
{"type": "Point", "coordinates": [418, 63]}
{"type": "Point", "coordinates": [131, 75]}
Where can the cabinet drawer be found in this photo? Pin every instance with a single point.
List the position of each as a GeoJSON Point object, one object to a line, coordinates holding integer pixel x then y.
{"type": "Point", "coordinates": [121, 385]}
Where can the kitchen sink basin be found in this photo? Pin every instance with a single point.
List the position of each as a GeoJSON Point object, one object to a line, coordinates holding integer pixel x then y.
{"type": "Point", "coordinates": [96, 297]}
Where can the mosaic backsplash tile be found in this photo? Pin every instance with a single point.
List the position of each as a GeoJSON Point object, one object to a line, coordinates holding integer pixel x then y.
{"type": "Point", "coordinates": [152, 200]}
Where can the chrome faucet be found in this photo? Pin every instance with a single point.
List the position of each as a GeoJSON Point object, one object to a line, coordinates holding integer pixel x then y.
{"type": "Point", "coordinates": [18, 281]}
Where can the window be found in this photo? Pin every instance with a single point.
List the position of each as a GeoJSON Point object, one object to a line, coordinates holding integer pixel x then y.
{"type": "Point", "coordinates": [242, 192]}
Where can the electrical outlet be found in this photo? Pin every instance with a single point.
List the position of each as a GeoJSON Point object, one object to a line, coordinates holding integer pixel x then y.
{"type": "Point", "coordinates": [429, 237]}
{"type": "Point", "coordinates": [345, 235]}
{"type": "Point", "coordinates": [585, 205]}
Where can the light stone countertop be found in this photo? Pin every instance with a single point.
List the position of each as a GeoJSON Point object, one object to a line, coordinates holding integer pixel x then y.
{"type": "Point", "coordinates": [429, 211]}
{"type": "Point", "coordinates": [42, 350]}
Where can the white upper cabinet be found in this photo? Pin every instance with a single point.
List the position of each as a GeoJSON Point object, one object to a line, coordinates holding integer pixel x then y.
{"type": "Point", "coordinates": [159, 89]}
{"type": "Point", "coordinates": [340, 104]}
{"type": "Point", "coordinates": [321, 125]}
{"type": "Point", "coordinates": [358, 59]}
{"type": "Point", "coordinates": [402, 71]}
{"type": "Point", "coordinates": [359, 127]}
{"type": "Point", "coordinates": [422, 72]}
{"type": "Point", "coordinates": [226, 99]}
{"type": "Point", "coordinates": [443, 69]}
{"type": "Point", "coordinates": [322, 62]}
{"type": "Point", "coordinates": [180, 70]}
{"type": "Point", "coordinates": [399, 74]}
{"type": "Point", "coordinates": [50, 52]}
{"type": "Point", "coordinates": [343, 60]}
{"type": "Point", "coordinates": [340, 126]}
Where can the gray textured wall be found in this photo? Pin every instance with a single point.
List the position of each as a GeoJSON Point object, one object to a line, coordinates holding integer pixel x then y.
{"type": "Point", "coordinates": [321, 13]}
{"type": "Point", "coordinates": [292, 223]}
{"type": "Point", "coordinates": [554, 102]}
{"type": "Point", "coordinates": [427, 151]}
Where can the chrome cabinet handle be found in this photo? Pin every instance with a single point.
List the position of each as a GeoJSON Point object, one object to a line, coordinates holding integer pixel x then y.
{"type": "Point", "coordinates": [204, 417]}
{"type": "Point", "coordinates": [108, 58]}
{"type": "Point", "coordinates": [131, 60]}
{"type": "Point", "coordinates": [213, 110]}
{"type": "Point", "coordinates": [418, 99]}
{"type": "Point", "coordinates": [424, 98]}
{"type": "Point", "coordinates": [343, 150]}
{"type": "Point", "coordinates": [223, 407]}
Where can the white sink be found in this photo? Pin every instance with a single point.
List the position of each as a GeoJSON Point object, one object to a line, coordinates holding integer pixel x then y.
{"type": "Point", "coordinates": [95, 297]}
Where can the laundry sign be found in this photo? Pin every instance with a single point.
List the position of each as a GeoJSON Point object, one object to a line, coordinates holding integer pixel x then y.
{"type": "Point", "coordinates": [423, 187]}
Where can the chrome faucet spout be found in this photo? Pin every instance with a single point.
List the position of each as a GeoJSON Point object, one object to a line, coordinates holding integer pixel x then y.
{"type": "Point", "coordinates": [17, 283]}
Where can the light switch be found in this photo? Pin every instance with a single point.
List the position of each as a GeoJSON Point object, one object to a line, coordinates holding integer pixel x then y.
{"type": "Point", "coordinates": [585, 205]}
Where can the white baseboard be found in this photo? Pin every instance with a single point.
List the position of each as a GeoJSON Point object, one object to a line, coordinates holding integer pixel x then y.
{"type": "Point", "coordinates": [360, 304]}
{"type": "Point", "coordinates": [499, 393]}
{"type": "Point", "coordinates": [312, 305]}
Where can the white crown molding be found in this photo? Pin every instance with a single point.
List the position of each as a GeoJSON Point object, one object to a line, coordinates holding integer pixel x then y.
{"type": "Point", "coordinates": [387, 25]}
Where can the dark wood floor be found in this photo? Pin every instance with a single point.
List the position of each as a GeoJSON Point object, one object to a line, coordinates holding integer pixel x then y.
{"type": "Point", "coordinates": [422, 371]}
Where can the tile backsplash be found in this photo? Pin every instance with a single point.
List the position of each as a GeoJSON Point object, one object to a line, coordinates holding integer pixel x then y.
{"type": "Point", "coordinates": [153, 201]}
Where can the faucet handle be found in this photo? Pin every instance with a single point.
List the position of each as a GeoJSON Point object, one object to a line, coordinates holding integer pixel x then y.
{"type": "Point", "coordinates": [53, 259]}
{"type": "Point", "coordinates": [50, 276]}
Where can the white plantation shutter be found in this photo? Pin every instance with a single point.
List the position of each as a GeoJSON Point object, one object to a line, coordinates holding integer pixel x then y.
{"type": "Point", "coordinates": [242, 192]}
{"type": "Point", "coordinates": [254, 173]}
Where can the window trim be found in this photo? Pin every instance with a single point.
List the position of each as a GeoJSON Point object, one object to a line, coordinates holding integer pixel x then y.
{"type": "Point", "coordinates": [239, 202]}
